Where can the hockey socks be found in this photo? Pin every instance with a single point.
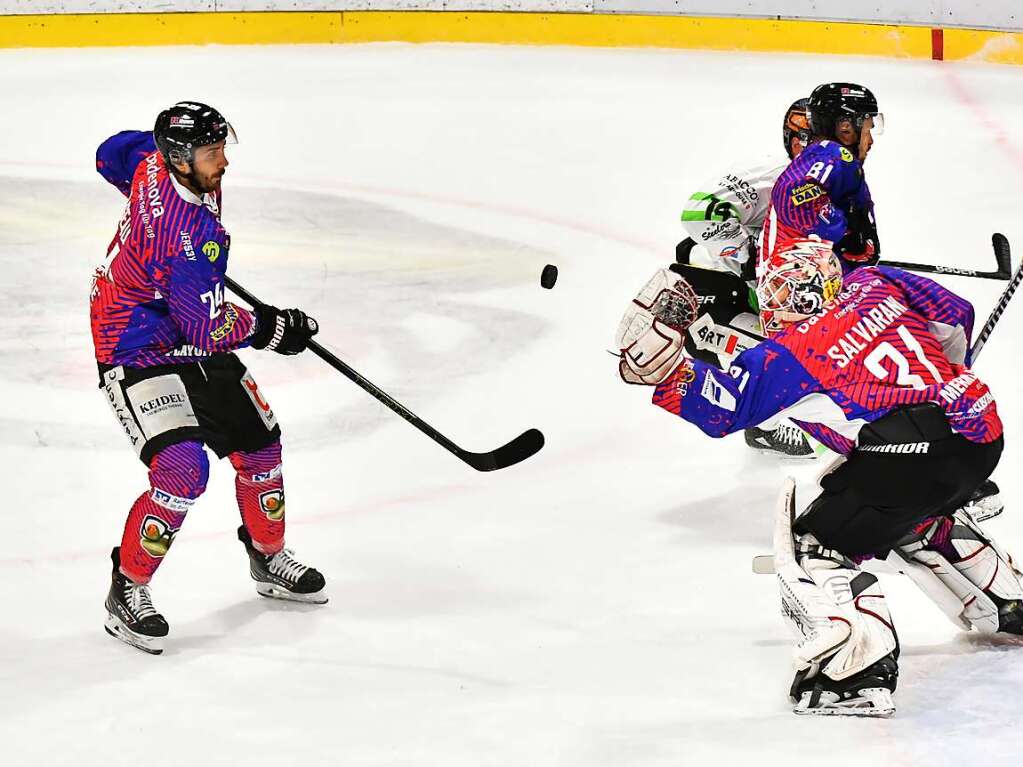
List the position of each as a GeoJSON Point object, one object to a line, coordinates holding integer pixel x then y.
{"type": "Point", "coordinates": [259, 488]}
{"type": "Point", "coordinates": [177, 476]}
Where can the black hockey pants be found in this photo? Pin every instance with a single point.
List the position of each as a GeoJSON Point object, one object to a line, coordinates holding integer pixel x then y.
{"type": "Point", "coordinates": [909, 466]}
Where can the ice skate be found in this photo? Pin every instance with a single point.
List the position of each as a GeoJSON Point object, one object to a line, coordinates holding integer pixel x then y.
{"type": "Point", "coordinates": [280, 576]}
{"type": "Point", "coordinates": [131, 616]}
{"type": "Point", "coordinates": [867, 694]}
{"type": "Point", "coordinates": [787, 441]}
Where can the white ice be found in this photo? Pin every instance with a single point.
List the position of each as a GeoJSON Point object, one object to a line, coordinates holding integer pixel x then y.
{"type": "Point", "coordinates": [592, 606]}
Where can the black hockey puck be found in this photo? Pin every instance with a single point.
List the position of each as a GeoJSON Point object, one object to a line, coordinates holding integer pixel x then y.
{"type": "Point", "coordinates": [548, 276]}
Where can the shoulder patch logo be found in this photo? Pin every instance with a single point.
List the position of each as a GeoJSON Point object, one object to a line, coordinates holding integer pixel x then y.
{"type": "Point", "coordinates": [211, 250]}
{"type": "Point", "coordinates": [846, 154]}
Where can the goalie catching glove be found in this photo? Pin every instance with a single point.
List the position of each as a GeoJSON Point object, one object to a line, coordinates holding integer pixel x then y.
{"type": "Point", "coordinates": [652, 332]}
{"type": "Point", "coordinates": [285, 331]}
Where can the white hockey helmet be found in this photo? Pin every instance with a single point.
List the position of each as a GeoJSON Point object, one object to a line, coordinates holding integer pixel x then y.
{"type": "Point", "coordinates": [801, 279]}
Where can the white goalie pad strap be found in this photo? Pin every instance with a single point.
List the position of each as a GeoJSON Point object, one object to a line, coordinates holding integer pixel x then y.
{"type": "Point", "coordinates": [839, 626]}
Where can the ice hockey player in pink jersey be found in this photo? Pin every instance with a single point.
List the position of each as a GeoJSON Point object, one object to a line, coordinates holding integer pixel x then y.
{"type": "Point", "coordinates": [164, 337]}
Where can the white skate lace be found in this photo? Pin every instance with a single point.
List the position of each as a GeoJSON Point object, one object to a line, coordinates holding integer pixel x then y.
{"type": "Point", "coordinates": [282, 565]}
{"type": "Point", "coordinates": [138, 599]}
{"type": "Point", "coordinates": [790, 435]}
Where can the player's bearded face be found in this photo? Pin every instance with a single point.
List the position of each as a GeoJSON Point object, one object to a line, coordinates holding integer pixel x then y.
{"type": "Point", "coordinates": [208, 166]}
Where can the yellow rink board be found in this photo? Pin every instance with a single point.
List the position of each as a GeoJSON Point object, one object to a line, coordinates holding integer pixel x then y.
{"type": "Point", "coordinates": [336, 27]}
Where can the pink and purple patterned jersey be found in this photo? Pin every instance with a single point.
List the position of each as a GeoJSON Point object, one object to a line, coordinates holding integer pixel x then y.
{"type": "Point", "coordinates": [814, 195]}
{"type": "Point", "coordinates": [159, 296]}
{"type": "Point", "coordinates": [889, 340]}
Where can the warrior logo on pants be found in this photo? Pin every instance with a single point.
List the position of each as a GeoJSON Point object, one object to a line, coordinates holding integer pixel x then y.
{"type": "Point", "coordinates": [157, 535]}
{"type": "Point", "coordinates": [272, 504]}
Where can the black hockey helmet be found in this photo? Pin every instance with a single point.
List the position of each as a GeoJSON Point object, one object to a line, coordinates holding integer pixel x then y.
{"type": "Point", "coordinates": [832, 102]}
{"type": "Point", "coordinates": [796, 123]}
{"type": "Point", "coordinates": [187, 125]}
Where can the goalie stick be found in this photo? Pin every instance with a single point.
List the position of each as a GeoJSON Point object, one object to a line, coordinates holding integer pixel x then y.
{"type": "Point", "coordinates": [519, 449]}
{"type": "Point", "coordinates": [763, 564]}
{"type": "Point", "coordinates": [1002, 260]}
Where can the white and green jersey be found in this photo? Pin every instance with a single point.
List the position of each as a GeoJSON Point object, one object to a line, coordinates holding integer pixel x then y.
{"type": "Point", "coordinates": [728, 212]}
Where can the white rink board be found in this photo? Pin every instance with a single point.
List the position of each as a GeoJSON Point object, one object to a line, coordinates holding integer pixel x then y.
{"type": "Point", "coordinates": [995, 14]}
{"type": "Point", "coordinates": [1001, 14]}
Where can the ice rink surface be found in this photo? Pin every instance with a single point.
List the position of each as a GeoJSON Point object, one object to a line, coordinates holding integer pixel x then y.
{"type": "Point", "coordinates": [591, 607]}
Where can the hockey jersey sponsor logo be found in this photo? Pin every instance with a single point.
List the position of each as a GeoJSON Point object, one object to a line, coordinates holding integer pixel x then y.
{"type": "Point", "coordinates": [187, 350]}
{"type": "Point", "coordinates": [873, 323]}
{"type": "Point", "coordinates": [684, 378]}
{"type": "Point", "coordinates": [230, 317]}
{"type": "Point", "coordinates": [211, 250]}
{"type": "Point", "coordinates": [266, 476]}
{"type": "Point", "coordinates": [981, 404]}
{"type": "Point", "coordinates": [121, 412]}
{"type": "Point", "coordinates": [272, 504]}
{"type": "Point", "coordinates": [170, 501]}
{"type": "Point", "coordinates": [957, 387]}
{"type": "Point", "coordinates": [722, 230]}
{"type": "Point", "coordinates": [160, 403]}
{"type": "Point", "coordinates": [717, 394]}
{"type": "Point", "coordinates": [806, 193]}
{"type": "Point", "coordinates": [901, 448]}
{"type": "Point", "coordinates": [152, 193]}
{"type": "Point", "coordinates": [743, 190]}
{"type": "Point", "coordinates": [186, 245]}
{"type": "Point", "coordinates": [262, 406]}
{"type": "Point", "coordinates": [156, 536]}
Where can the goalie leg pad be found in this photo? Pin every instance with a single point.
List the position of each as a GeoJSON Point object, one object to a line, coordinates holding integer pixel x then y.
{"type": "Point", "coordinates": [967, 562]}
{"type": "Point", "coordinates": [846, 651]}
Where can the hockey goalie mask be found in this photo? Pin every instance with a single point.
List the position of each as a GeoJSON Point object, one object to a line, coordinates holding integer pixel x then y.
{"type": "Point", "coordinates": [651, 335]}
{"type": "Point", "coordinates": [801, 280]}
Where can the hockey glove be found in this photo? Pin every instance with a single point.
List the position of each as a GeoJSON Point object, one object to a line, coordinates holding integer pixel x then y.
{"type": "Point", "coordinates": [651, 335]}
{"type": "Point", "coordinates": [285, 331]}
{"type": "Point", "coordinates": [860, 244]}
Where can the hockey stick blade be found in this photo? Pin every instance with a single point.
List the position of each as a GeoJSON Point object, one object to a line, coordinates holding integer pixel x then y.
{"type": "Point", "coordinates": [1002, 254]}
{"type": "Point", "coordinates": [1003, 261]}
{"type": "Point", "coordinates": [519, 449]}
{"type": "Point", "coordinates": [952, 270]}
{"type": "Point", "coordinates": [1001, 245]}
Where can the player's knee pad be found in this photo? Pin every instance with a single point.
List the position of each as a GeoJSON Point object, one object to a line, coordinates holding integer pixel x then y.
{"type": "Point", "coordinates": [965, 561]}
{"type": "Point", "coordinates": [180, 471]}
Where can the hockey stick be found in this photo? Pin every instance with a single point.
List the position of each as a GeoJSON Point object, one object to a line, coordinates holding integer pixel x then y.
{"type": "Point", "coordinates": [519, 449]}
{"type": "Point", "coordinates": [1001, 248]}
{"type": "Point", "coordinates": [763, 564]}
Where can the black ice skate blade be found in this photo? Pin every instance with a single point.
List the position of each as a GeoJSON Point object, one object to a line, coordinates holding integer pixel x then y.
{"type": "Point", "coordinates": [271, 591]}
{"type": "Point", "coordinates": [875, 704]}
{"type": "Point", "coordinates": [129, 637]}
